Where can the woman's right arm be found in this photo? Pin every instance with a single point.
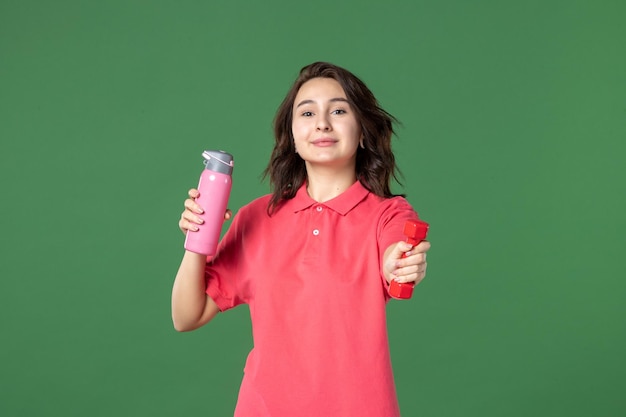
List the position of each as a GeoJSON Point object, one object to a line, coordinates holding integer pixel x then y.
{"type": "Point", "coordinates": [191, 306]}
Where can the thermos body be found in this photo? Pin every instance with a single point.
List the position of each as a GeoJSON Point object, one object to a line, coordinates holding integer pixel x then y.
{"type": "Point", "coordinates": [214, 186]}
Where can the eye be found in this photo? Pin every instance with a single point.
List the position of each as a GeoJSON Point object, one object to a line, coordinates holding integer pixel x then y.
{"type": "Point", "coordinates": [307, 114]}
{"type": "Point", "coordinates": [339, 111]}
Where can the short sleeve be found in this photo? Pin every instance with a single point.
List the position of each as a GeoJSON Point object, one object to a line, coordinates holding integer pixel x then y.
{"type": "Point", "coordinates": [227, 279]}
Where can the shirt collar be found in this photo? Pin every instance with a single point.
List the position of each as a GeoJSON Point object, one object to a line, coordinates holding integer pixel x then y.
{"type": "Point", "coordinates": [342, 204]}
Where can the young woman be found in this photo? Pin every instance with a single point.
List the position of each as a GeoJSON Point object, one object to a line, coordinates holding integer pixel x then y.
{"type": "Point", "coordinates": [313, 260]}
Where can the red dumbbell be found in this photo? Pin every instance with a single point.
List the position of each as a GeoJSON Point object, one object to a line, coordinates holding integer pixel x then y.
{"type": "Point", "coordinates": [415, 231]}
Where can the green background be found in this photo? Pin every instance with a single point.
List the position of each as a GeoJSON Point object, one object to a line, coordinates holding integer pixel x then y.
{"type": "Point", "coordinates": [511, 145]}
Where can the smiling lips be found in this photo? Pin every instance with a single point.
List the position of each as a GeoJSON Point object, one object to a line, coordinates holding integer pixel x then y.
{"type": "Point", "coordinates": [323, 142]}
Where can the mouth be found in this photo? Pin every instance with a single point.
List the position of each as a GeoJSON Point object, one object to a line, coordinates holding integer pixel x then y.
{"type": "Point", "coordinates": [324, 142]}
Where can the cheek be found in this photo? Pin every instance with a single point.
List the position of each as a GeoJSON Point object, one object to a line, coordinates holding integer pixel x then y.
{"type": "Point", "coordinates": [353, 132]}
{"type": "Point", "coordinates": [298, 130]}
{"type": "Point", "coordinates": [352, 128]}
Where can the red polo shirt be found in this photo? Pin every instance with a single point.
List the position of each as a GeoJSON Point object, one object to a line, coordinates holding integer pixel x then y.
{"type": "Point", "coordinates": [311, 275]}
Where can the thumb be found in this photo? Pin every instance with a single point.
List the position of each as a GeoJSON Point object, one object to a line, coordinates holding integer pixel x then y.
{"type": "Point", "coordinates": [401, 249]}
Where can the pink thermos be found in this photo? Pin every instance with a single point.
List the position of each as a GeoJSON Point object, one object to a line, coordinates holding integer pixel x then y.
{"type": "Point", "coordinates": [214, 186]}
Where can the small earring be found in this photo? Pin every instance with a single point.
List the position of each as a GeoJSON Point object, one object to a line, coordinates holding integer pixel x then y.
{"type": "Point", "coordinates": [361, 144]}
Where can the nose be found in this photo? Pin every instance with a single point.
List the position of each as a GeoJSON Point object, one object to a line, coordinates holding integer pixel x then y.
{"type": "Point", "coordinates": [322, 123]}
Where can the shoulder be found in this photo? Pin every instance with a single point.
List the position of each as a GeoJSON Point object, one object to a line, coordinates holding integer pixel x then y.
{"type": "Point", "coordinates": [389, 204]}
{"type": "Point", "coordinates": [257, 204]}
{"type": "Point", "coordinates": [255, 209]}
{"type": "Point", "coordinates": [397, 203]}
{"type": "Point", "coordinates": [393, 211]}
{"type": "Point", "coordinates": [249, 216]}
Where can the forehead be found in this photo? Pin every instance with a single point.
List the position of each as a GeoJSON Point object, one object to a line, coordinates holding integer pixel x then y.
{"type": "Point", "coordinates": [320, 89]}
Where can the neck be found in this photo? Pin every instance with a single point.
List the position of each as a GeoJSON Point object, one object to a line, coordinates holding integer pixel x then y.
{"type": "Point", "coordinates": [324, 185]}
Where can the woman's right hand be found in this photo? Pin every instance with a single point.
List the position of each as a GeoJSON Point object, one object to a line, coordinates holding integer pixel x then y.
{"type": "Point", "coordinates": [190, 218]}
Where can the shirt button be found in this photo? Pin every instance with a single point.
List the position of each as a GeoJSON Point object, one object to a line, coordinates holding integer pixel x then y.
{"type": "Point", "coordinates": [319, 208]}
{"type": "Point", "coordinates": [316, 232]}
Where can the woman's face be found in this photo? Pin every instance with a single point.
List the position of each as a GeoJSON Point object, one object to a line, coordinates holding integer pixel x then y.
{"type": "Point", "coordinates": [325, 129]}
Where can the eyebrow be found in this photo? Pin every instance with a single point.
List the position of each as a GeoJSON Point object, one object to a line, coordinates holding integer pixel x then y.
{"type": "Point", "coordinates": [332, 100]}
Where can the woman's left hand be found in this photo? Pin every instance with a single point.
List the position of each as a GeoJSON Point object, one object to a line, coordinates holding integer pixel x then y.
{"type": "Point", "coordinates": [411, 268]}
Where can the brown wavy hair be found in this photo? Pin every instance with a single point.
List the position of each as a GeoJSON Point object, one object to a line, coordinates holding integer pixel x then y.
{"type": "Point", "coordinates": [375, 165]}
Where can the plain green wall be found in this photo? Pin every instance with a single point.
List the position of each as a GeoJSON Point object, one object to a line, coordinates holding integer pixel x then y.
{"type": "Point", "coordinates": [512, 147]}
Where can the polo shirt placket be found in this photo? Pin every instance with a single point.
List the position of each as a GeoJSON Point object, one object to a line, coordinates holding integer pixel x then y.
{"type": "Point", "coordinates": [316, 232]}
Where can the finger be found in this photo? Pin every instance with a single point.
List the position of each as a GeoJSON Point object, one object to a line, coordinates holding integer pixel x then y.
{"type": "Point", "coordinates": [191, 205]}
{"type": "Point", "coordinates": [185, 225]}
{"type": "Point", "coordinates": [412, 273]}
{"type": "Point", "coordinates": [416, 278]}
{"type": "Point", "coordinates": [401, 249]}
{"type": "Point", "coordinates": [410, 258]}
{"type": "Point", "coordinates": [423, 246]}
{"type": "Point", "coordinates": [406, 271]}
{"type": "Point", "coordinates": [193, 193]}
{"type": "Point", "coordinates": [228, 215]}
{"type": "Point", "coordinates": [191, 217]}
{"type": "Point", "coordinates": [406, 279]}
